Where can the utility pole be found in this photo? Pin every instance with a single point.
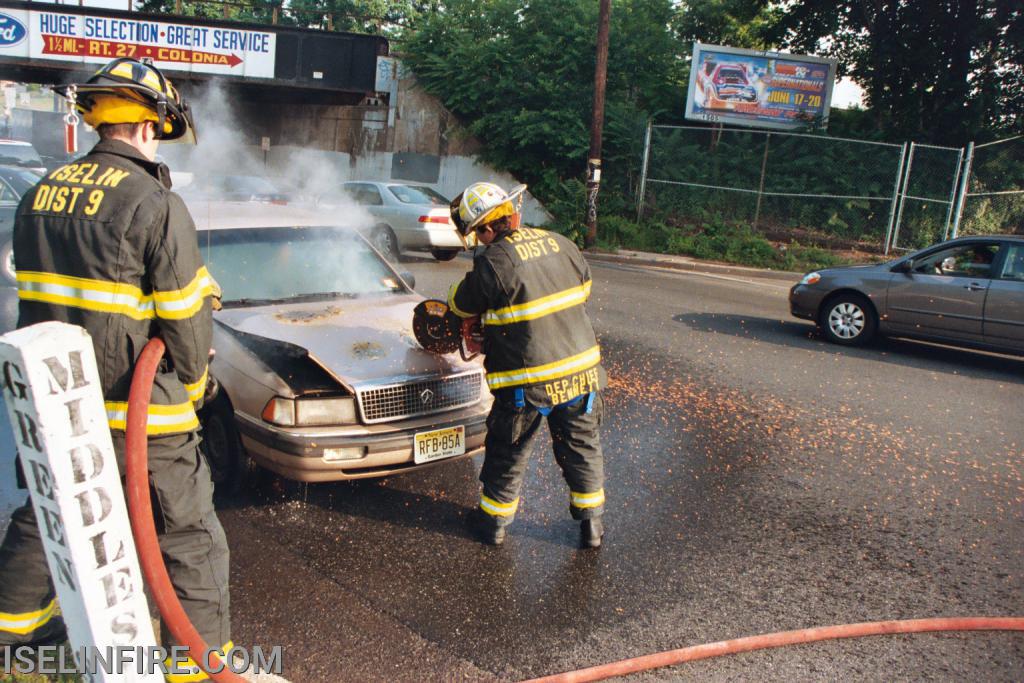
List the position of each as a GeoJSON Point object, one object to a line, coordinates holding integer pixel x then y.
{"type": "Point", "coordinates": [597, 123]}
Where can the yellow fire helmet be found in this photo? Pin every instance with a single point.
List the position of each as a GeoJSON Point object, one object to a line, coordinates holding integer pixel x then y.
{"type": "Point", "coordinates": [130, 91]}
{"type": "Point", "coordinates": [482, 203]}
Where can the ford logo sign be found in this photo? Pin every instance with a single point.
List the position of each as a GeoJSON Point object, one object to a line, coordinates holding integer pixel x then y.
{"type": "Point", "coordinates": [12, 31]}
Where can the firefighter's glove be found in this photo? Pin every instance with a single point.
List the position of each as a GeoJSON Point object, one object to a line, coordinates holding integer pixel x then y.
{"type": "Point", "coordinates": [216, 294]}
{"type": "Point", "coordinates": [212, 385]}
{"type": "Point", "coordinates": [473, 334]}
{"type": "Point", "coordinates": [212, 389]}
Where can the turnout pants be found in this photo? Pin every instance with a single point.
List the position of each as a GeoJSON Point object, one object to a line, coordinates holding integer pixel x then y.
{"type": "Point", "coordinates": [576, 442]}
{"type": "Point", "coordinates": [191, 538]}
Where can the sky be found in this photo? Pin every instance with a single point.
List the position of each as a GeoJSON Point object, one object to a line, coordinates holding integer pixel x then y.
{"type": "Point", "coordinates": [846, 94]}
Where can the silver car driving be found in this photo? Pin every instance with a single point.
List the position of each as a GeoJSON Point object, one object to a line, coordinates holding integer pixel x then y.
{"type": "Point", "coordinates": [967, 291]}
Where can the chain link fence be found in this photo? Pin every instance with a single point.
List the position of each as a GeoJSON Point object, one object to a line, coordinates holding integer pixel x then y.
{"type": "Point", "coordinates": [993, 196]}
{"type": "Point", "coordinates": [811, 188]}
{"type": "Point", "coordinates": [831, 192]}
{"type": "Point", "coordinates": [927, 197]}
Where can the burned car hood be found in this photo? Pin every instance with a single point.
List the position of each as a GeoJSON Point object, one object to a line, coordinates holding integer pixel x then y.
{"type": "Point", "coordinates": [361, 341]}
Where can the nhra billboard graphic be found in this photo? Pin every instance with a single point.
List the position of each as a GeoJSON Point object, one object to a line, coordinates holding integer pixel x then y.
{"type": "Point", "coordinates": [759, 89]}
{"type": "Point", "coordinates": [73, 37]}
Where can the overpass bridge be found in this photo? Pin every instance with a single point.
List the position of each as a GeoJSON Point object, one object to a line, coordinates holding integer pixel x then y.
{"type": "Point", "coordinates": [42, 42]}
{"type": "Point", "coordinates": [330, 105]}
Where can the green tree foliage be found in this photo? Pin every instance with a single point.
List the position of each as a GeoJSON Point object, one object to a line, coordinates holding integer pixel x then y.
{"type": "Point", "coordinates": [942, 71]}
{"type": "Point", "coordinates": [520, 76]}
{"type": "Point", "coordinates": [736, 23]}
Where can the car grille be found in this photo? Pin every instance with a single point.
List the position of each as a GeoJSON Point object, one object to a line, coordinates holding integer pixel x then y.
{"type": "Point", "coordinates": [413, 399]}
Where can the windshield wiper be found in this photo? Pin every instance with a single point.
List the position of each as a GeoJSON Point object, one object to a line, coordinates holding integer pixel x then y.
{"type": "Point", "coordinates": [318, 296]}
{"type": "Point", "coordinates": [250, 302]}
{"type": "Point", "coordinates": [298, 298]}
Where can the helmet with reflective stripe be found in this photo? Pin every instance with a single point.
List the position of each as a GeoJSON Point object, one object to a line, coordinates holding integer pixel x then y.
{"type": "Point", "coordinates": [483, 203]}
{"type": "Point", "coordinates": [130, 91]}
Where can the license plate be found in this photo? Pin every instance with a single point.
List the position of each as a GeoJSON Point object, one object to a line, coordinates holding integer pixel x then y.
{"type": "Point", "coordinates": [440, 444]}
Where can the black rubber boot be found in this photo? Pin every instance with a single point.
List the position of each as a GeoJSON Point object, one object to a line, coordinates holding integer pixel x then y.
{"type": "Point", "coordinates": [591, 531]}
{"type": "Point", "coordinates": [483, 528]}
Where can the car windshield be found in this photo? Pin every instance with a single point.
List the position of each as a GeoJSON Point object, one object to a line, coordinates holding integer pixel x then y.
{"type": "Point", "coordinates": [257, 266]}
{"type": "Point", "coordinates": [414, 194]}
{"type": "Point", "coordinates": [23, 155]}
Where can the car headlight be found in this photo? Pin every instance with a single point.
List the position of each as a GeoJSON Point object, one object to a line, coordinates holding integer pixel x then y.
{"type": "Point", "coordinates": [810, 278]}
{"type": "Point", "coordinates": [310, 412]}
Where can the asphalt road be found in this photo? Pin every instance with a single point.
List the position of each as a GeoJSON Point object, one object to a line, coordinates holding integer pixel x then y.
{"type": "Point", "coordinates": [759, 479]}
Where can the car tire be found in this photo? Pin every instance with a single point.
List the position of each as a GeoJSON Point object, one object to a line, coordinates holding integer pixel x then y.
{"type": "Point", "coordinates": [444, 254]}
{"type": "Point", "coordinates": [222, 446]}
{"type": "Point", "coordinates": [7, 273]}
{"type": "Point", "coordinates": [384, 240]}
{"type": "Point", "coordinates": [848, 319]}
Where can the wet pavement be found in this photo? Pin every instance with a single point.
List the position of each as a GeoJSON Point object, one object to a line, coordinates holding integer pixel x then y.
{"type": "Point", "coordinates": [759, 479]}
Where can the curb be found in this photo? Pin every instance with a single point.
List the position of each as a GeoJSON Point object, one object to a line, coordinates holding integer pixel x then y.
{"type": "Point", "coordinates": [639, 258]}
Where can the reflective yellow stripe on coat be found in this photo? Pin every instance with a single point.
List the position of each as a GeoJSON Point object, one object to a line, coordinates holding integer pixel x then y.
{"type": "Point", "coordinates": [183, 303]}
{"type": "Point", "coordinates": [92, 295]}
{"type": "Point", "coordinates": [451, 301]}
{"type": "Point", "coordinates": [23, 623]}
{"type": "Point", "coordinates": [115, 297]}
{"type": "Point", "coordinates": [545, 373]}
{"type": "Point", "coordinates": [198, 388]}
{"type": "Point", "coordinates": [172, 419]}
{"type": "Point", "coordinates": [538, 308]}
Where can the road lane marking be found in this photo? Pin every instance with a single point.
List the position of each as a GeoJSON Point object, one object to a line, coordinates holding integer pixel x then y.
{"type": "Point", "coordinates": [676, 271]}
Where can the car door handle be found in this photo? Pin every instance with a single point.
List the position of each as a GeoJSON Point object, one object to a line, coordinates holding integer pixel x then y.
{"type": "Point", "coordinates": [974, 287]}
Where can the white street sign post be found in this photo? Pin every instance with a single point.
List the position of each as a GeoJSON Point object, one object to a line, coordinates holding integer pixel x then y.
{"type": "Point", "coordinates": [51, 387]}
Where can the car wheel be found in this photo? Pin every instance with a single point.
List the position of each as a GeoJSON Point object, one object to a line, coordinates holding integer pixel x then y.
{"type": "Point", "coordinates": [444, 254]}
{"type": "Point", "coordinates": [222, 446]}
{"type": "Point", "coordinates": [384, 241]}
{"type": "Point", "coordinates": [848, 319]}
{"type": "Point", "coordinates": [7, 263]}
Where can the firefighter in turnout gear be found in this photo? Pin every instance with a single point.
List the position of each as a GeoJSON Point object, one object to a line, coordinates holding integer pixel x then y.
{"type": "Point", "coordinates": [529, 288]}
{"type": "Point", "coordinates": [103, 243]}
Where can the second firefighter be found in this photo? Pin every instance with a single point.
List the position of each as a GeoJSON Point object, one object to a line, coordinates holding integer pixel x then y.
{"type": "Point", "coordinates": [529, 288]}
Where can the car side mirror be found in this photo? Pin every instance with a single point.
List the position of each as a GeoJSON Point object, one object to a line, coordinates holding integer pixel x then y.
{"type": "Point", "coordinates": [409, 278]}
{"type": "Point", "coordinates": [905, 267]}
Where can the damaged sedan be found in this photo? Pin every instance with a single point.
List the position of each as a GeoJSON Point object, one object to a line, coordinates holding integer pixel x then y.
{"type": "Point", "coordinates": [320, 376]}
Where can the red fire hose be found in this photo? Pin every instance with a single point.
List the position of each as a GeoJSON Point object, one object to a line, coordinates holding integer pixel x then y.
{"type": "Point", "coordinates": [140, 510]}
{"type": "Point", "coordinates": [770, 640]}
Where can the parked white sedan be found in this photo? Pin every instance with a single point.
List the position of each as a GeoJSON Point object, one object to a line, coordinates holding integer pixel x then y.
{"type": "Point", "coordinates": [407, 217]}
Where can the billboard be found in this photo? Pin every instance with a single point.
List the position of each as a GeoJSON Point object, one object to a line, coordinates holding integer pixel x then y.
{"type": "Point", "coordinates": [759, 89]}
{"type": "Point", "coordinates": [71, 37]}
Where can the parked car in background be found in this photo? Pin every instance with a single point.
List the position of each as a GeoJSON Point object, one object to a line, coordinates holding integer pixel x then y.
{"type": "Point", "coordinates": [967, 291]}
{"type": "Point", "coordinates": [14, 182]}
{"type": "Point", "coordinates": [407, 217]}
{"type": "Point", "coordinates": [321, 377]}
{"type": "Point", "coordinates": [21, 153]}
